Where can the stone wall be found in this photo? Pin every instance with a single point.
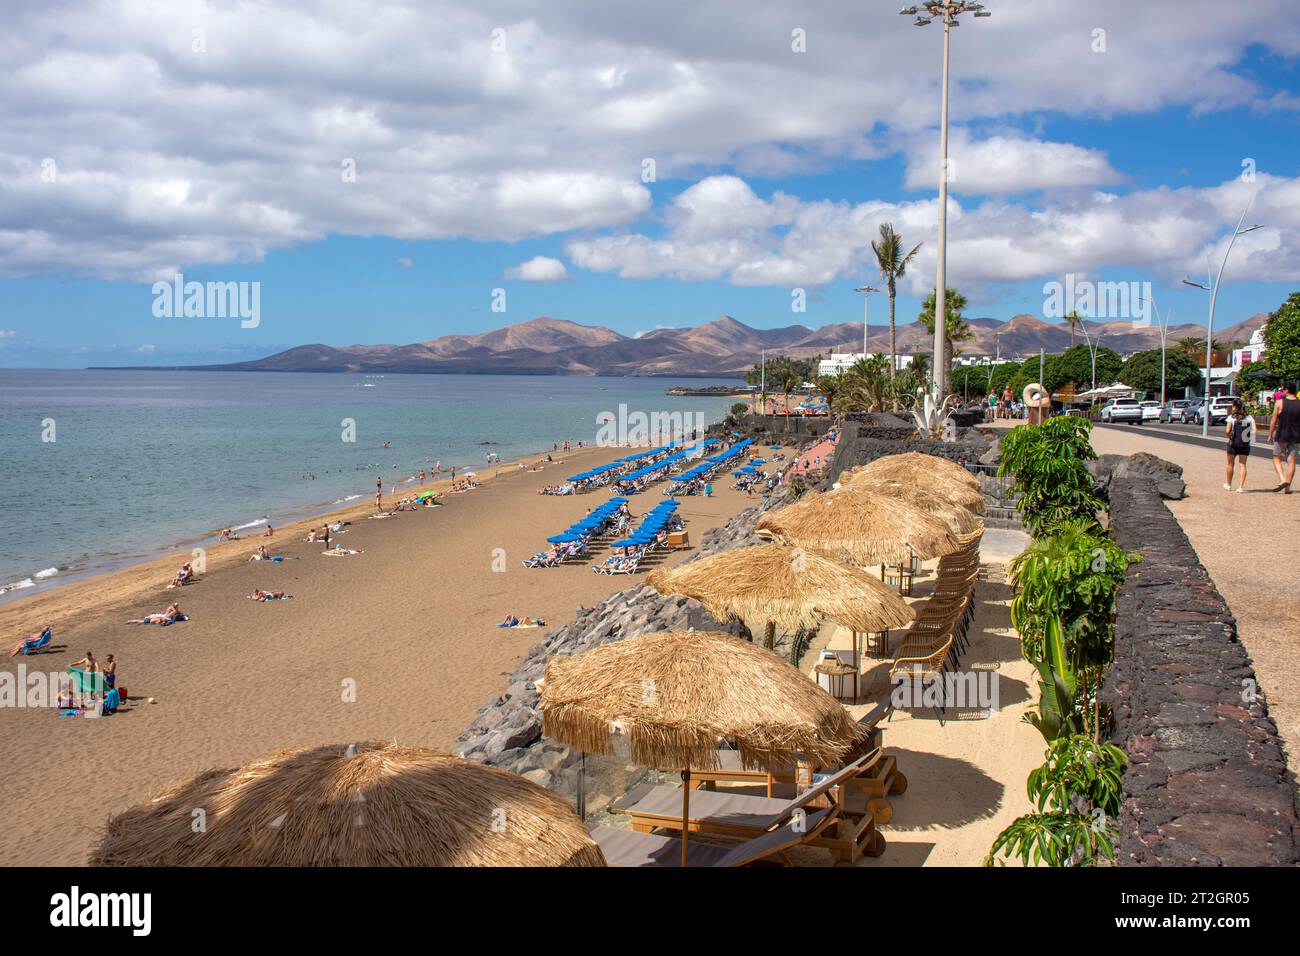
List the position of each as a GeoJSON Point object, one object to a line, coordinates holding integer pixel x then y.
{"type": "Point", "coordinates": [1207, 782]}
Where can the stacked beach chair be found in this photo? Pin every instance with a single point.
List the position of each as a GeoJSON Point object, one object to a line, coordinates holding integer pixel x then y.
{"type": "Point", "coordinates": [934, 642]}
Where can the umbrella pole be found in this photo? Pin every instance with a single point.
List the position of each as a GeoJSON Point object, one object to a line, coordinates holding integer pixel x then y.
{"type": "Point", "coordinates": [771, 634]}
{"type": "Point", "coordinates": [686, 809]}
{"type": "Point", "coordinates": [582, 784]}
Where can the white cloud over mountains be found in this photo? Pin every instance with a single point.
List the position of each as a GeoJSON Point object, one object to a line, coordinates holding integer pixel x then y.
{"type": "Point", "coordinates": [538, 269]}
{"type": "Point", "coordinates": [720, 229]}
{"type": "Point", "coordinates": [143, 137]}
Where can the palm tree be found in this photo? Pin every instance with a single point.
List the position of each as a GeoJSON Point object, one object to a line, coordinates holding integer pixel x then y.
{"type": "Point", "coordinates": [1074, 320]}
{"type": "Point", "coordinates": [954, 325]}
{"type": "Point", "coordinates": [866, 386]}
{"type": "Point", "coordinates": [830, 386]}
{"type": "Point", "coordinates": [787, 383]}
{"type": "Point", "coordinates": [893, 266]}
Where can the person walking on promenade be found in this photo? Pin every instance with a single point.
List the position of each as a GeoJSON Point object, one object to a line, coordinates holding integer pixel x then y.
{"type": "Point", "coordinates": [1241, 432]}
{"type": "Point", "coordinates": [1284, 433]}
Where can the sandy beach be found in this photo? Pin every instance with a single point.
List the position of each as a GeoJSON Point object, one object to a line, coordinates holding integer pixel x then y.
{"type": "Point", "coordinates": [398, 643]}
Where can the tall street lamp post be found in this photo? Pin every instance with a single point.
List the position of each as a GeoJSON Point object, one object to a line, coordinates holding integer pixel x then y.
{"type": "Point", "coordinates": [866, 291]}
{"type": "Point", "coordinates": [949, 11]}
{"type": "Point", "coordinates": [1213, 289]}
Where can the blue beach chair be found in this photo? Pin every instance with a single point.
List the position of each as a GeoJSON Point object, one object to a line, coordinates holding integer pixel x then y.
{"type": "Point", "coordinates": [42, 640]}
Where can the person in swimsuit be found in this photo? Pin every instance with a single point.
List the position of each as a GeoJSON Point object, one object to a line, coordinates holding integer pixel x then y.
{"type": "Point", "coordinates": [260, 595]}
{"type": "Point", "coordinates": [110, 672]}
{"type": "Point", "coordinates": [1240, 431]}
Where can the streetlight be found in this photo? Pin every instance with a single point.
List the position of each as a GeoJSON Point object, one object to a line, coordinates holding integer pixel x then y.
{"type": "Point", "coordinates": [949, 10]}
{"type": "Point", "coordinates": [1092, 349]}
{"type": "Point", "coordinates": [865, 290]}
{"type": "Point", "coordinates": [1213, 289]}
{"type": "Point", "coordinates": [1163, 326]}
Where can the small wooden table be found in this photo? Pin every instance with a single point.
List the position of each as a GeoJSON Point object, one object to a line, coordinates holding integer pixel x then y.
{"type": "Point", "coordinates": [838, 671]}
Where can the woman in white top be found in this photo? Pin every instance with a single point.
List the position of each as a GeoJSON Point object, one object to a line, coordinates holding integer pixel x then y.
{"type": "Point", "coordinates": [1241, 432]}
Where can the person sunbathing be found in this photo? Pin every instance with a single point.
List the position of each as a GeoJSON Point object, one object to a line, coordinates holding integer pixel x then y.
{"type": "Point", "coordinates": [29, 641]}
{"type": "Point", "coordinates": [312, 536]}
{"type": "Point", "coordinates": [260, 595]}
{"type": "Point", "coordinates": [182, 577]}
{"type": "Point", "coordinates": [338, 551]}
{"type": "Point", "coordinates": [169, 616]}
{"type": "Point", "coordinates": [510, 621]}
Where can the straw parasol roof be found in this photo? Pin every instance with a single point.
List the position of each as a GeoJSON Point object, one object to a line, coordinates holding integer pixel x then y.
{"type": "Point", "coordinates": [860, 526]}
{"type": "Point", "coordinates": [928, 472]}
{"type": "Point", "coordinates": [675, 694]}
{"type": "Point", "coordinates": [785, 586]}
{"type": "Point", "coordinates": [911, 462]}
{"type": "Point", "coordinates": [370, 805]}
{"type": "Point", "coordinates": [960, 521]}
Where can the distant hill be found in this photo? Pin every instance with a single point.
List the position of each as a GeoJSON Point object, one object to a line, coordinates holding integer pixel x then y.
{"type": "Point", "coordinates": [723, 348]}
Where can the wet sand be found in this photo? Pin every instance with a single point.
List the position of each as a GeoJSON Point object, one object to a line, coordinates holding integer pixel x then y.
{"type": "Point", "coordinates": [398, 643]}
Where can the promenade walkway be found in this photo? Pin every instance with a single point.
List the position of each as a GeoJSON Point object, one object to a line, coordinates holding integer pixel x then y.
{"type": "Point", "coordinates": [1247, 543]}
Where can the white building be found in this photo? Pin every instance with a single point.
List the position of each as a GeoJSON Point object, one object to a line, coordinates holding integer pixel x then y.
{"type": "Point", "coordinates": [841, 362]}
{"type": "Point", "coordinates": [1253, 352]}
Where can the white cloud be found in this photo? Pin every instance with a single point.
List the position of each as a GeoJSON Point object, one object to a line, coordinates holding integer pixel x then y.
{"type": "Point", "coordinates": [169, 158]}
{"type": "Point", "coordinates": [147, 349]}
{"type": "Point", "coordinates": [790, 242]}
{"type": "Point", "coordinates": [1004, 164]}
{"type": "Point", "coordinates": [405, 262]}
{"type": "Point", "coordinates": [538, 269]}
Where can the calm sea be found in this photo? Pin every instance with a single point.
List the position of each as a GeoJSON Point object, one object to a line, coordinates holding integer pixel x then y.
{"type": "Point", "coordinates": [141, 462]}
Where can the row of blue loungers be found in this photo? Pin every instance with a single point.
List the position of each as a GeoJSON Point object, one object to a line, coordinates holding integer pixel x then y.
{"type": "Point", "coordinates": [574, 541]}
{"type": "Point", "coordinates": [641, 541]}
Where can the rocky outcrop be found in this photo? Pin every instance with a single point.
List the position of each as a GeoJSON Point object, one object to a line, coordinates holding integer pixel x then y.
{"type": "Point", "coordinates": [1207, 782]}
{"type": "Point", "coordinates": [507, 731]}
{"type": "Point", "coordinates": [1140, 466]}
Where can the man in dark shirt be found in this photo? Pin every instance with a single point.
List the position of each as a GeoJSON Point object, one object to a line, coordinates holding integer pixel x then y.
{"type": "Point", "coordinates": [1284, 433]}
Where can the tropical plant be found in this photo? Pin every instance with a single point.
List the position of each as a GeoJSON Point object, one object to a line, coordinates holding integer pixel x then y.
{"type": "Point", "coordinates": [788, 381]}
{"type": "Point", "coordinates": [1076, 795]}
{"type": "Point", "coordinates": [1058, 686]}
{"type": "Point", "coordinates": [893, 263]}
{"type": "Point", "coordinates": [1048, 466]}
{"type": "Point", "coordinates": [865, 386]}
{"type": "Point", "coordinates": [1282, 339]}
{"type": "Point", "coordinates": [1073, 319]}
{"type": "Point", "coordinates": [1070, 575]}
{"type": "Point", "coordinates": [955, 328]}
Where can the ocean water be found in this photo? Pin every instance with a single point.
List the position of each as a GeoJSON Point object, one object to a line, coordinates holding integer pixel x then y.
{"type": "Point", "coordinates": [141, 462]}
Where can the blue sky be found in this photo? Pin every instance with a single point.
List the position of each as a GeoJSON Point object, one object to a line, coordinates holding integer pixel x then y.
{"type": "Point", "coordinates": [775, 168]}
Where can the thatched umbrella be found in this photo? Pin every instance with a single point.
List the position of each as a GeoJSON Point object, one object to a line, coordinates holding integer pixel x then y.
{"type": "Point", "coordinates": [785, 586]}
{"type": "Point", "coordinates": [861, 527]}
{"type": "Point", "coordinates": [924, 471]}
{"type": "Point", "coordinates": [675, 694]}
{"type": "Point", "coordinates": [960, 521]}
{"type": "Point", "coordinates": [360, 805]}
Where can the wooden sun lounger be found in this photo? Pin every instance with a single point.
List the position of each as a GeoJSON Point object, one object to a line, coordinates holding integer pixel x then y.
{"type": "Point", "coordinates": [631, 848]}
{"type": "Point", "coordinates": [848, 835]}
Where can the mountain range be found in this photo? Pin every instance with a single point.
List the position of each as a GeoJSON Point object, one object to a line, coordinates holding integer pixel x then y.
{"type": "Point", "coordinates": [723, 348]}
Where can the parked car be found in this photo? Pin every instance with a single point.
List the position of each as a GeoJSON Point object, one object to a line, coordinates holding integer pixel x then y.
{"type": "Point", "coordinates": [1122, 410]}
{"type": "Point", "coordinates": [1173, 411]}
{"type": "Point", "coordinates": [1190, 410]}
{"type": "Point", "coordinates": [1150, 411]}
{"type": "Point", "coordinates": [1220, 408]}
